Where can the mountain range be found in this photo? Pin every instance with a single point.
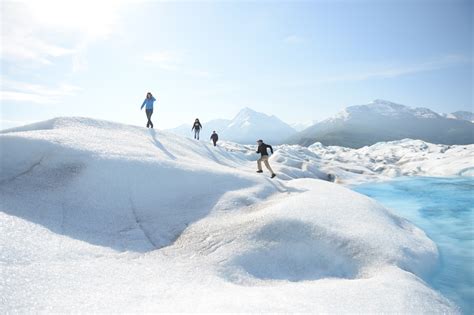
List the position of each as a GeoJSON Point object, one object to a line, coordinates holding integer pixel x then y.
{"type": "Point", "coordinates": [381, 120]}
{"type": "Point", "coordinates": [354, 127]}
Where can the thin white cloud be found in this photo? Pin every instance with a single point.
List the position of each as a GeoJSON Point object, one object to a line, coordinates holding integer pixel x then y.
{"type": "Point", "coordinates": [198, 73]}
{"type": "Point", "coordinates": [35, 93]}
{"type": "Point", "coordinates": [379, 72]}
{"type": "Point", "coordinates": [167, 59]}
{"type": "Point", "coordinates": [38, 32]}
{"type": "Point", "coordinates": [294, 39]}
{"type": "Point", "coordinates": [172, 60]}
{"type": "Point", "coordinates": [32, 49]}
{"type": "Point", "coordinates": [396, 71]}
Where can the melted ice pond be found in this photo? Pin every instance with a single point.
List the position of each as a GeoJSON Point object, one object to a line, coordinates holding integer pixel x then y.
{"type": "Point", "coordinates": [443, 208]}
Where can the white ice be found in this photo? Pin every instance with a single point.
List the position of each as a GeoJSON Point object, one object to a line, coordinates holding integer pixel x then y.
{"type": "Point", "coordinates": [381, 161]}
{"type": "Point", "coordinates": [105, 217]}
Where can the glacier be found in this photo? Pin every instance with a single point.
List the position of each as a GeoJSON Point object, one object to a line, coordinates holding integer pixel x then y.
{"type": "Point", "coordinates": [98, 216]}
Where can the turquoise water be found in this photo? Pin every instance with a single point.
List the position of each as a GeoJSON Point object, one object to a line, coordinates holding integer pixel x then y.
{"type": "Point", "coordinates": [443, 208]}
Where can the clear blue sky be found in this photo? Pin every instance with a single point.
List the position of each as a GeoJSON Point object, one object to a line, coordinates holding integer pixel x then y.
{"type": "Point", "coordinates": [298, 60]}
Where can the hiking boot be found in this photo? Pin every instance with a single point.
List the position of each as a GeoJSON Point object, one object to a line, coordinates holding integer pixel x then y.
{"type": "Point", "coordinates": [273, 175]}
{"type": "Point", "coordinates": [259, 171]}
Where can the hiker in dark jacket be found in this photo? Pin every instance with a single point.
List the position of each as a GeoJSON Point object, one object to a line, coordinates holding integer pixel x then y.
{"type": "Point", "coordinates": [214, 137]}
{"type": "Point", "coordinates": [262, 149]}
{"type": "Point", "coordinates": [148, 103]}
{"type": "Point", "coordinates": [197, 128]}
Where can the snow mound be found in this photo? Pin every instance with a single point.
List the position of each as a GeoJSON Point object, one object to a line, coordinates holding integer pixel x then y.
{"type": "Point", "coordinates": [291, 250]}
{"type": "Point", "coordinates": [104, 217]}
{"type": "Point", "coordinates": [120, 181]}
{"type": "Point", "coordinates": [307, 240]}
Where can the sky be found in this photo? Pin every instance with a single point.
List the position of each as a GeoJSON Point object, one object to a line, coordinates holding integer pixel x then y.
{"type": "Point", "coordinates": [298, 60]}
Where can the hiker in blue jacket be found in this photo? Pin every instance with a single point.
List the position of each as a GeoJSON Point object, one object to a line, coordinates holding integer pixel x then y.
{"type": "Point", "coordinates": [148, 103]}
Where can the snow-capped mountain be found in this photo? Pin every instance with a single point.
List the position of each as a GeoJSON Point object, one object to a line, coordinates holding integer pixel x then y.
{"type": "Point", "coordinates": [361, 125]}
{"type": "Point", "coordinates": [246, 127]}
{"type": "Point", "coordinates": [461, 115]}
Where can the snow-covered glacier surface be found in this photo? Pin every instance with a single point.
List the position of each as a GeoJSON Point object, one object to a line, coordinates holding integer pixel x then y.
{"type": "Point", "coordinates": [104, 217]}
{"type": "Point", "coordinates": [379, 162]}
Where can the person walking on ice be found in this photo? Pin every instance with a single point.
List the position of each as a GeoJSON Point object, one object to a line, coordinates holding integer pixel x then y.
{"type": "Point", "coordinates": [262, 149]}
{"type": "Point", "coordinates": [214, 137]}
{"type": "Point", "coordinates": [148, 103]}
{"type": "Point", "coordinates": [197, 128]}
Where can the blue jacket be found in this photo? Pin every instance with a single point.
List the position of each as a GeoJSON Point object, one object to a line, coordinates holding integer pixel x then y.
{"type": "Point", "coordinates": [148, 102]}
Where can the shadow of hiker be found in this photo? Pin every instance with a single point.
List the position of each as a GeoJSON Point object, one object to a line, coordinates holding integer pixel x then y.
{"type": "Point", "coordinates": [160, 146]}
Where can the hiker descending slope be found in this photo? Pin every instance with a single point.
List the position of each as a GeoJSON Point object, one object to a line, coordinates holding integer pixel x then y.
{"type": "Point", "coordinates": [148, 103]}
{"type": "Point", "coordinates": [214, 137]}
{"type": "Point", "coordinates": [197, 128]}
{"type": "Point", "coordinates": [262, 149]}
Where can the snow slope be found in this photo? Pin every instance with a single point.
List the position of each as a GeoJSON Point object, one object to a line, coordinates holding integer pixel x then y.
{"type": "Point", "coordinates": [361, 125]}
{"type": "Point", "coordinates": [103, 217]}
{"type": "Point", "coordinates": [246, 127]}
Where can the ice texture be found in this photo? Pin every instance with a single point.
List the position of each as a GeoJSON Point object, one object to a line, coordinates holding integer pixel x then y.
{"type": "Point", "coordinates": [103, 217]}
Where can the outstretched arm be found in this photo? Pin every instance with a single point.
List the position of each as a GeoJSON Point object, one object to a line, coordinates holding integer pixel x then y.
{"type": "Point", "coordinates": [271, 149]}
{"type": "Point", "coordinates": [143, 104]}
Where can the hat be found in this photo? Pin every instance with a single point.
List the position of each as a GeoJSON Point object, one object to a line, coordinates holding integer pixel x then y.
{"type": "Point", "coordinates": [260, 140]}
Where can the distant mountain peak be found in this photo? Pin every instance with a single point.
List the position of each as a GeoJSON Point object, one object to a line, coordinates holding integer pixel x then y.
{"type": "Point", "coordinates": [462, 115]}
{"type": "Point", "coordinates": [384, 106]}
{"type": "Point", "coordinates": [385, 102]}
{"type": "Point", "coordinates": [387, 108]}
{"type": "Point", "coordinates": [247, 111]}
{"type": "Point", "coordinates": [247, 126]}
{"type": "Point", "coordinates": [382, 120]}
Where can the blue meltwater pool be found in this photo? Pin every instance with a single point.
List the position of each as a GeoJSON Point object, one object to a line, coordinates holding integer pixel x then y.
{"type": "Point", "coordinates": [443, 208]}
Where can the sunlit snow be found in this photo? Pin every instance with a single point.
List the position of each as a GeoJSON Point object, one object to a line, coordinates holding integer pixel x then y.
{"type": "Point", "coordinates": [105, 217]}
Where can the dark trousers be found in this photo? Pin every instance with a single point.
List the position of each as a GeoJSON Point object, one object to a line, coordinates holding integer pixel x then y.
{"type": "Point", "coordinates": [196, 133]}
{"type": "Point", "coordinates": [214, 141]}
{"type": "Point", "coordinates": [149, 112]}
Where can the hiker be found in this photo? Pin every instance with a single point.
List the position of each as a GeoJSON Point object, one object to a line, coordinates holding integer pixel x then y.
{"type": "Point", "coordinates": [197, 128]}
{"type": "Point", "coordinates": [214, 137]}
{"type": "Point", "coordinates": [262, 149]}
{"type": "Point", "coordinates": [149, 100]}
